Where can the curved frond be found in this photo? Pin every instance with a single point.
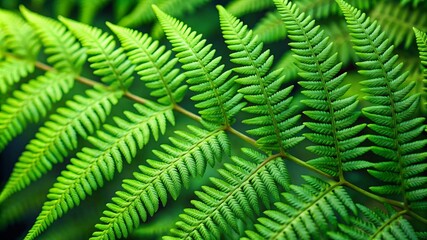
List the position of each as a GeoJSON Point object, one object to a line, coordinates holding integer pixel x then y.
{"type": "Point", "coordinates": [20, 39]}
{"type": "Point", "coordinates": [66, 54]}
{"type": "Point", "coordinates": [334, 128]}
{"type": "Point", "coordinates": [307, 212]}
{"type": "Point", "coordinates": [397, 21]}
{"type": "Point", "coordinates": [240, 8]}
{"type": "Point", "coordinates": [142, 13]}
{"type": "Point", "coordinates": [244, 187]}
{"type": "Point", "coordinates": [87, 172]}
{"type": "Point", "coordinates": [80, 117]}
{"type": "Point", "coordinates": [276, 117]}
{"type": "Point", "coordinates": [422, 48]}
{"type": "Point", "coordinates": [31, 103]}
{"type": "Point", "coordinates": [375, 224]}
{"type": "Point", "coordinates": [153, 65]}
{"type": "Point", "coordinates": [216, 91]}
{"type": "Point", "coordinates": [188, 157]}
{"type": "Point", "coordinates": [396, 130]}
{"type": "Point", "coordinates": [109, 62]}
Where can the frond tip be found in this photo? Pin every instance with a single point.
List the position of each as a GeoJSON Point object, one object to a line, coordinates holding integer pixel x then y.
{"type": "Point", "coordinates": [276, 117]}
{"type": "Point", "coordinates": [216, 91]}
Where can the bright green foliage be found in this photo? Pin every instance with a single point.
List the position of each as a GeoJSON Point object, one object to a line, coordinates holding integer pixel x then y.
{"type": "Point", "coordinates": [154, 65]}
{"type": "Point", "coordinates": [66, 54]}
{"type": "Point", "coordinates": [142, 13]}
{"type": "Point", "coordinates": [58, 136]}
{"type": "Point", "coordinates": [422, 47]}
{"type": "Point", "coordinates": [18, 38]}
{"type": "Point", "coordinates": [242, 103]}
{"type": "Point", "coordinates": [31, 103]}
{"type": "Point", "coordinates": [309, 210]}
{"type": "Point", "coordinates": [217, 93]}
{"type": "Point", "coordinates": [87, 172]}
{"type": "Point", "coordinates": [334, 129]}
{"type": "Point", "coordinates": [397, 21]}
{"type": "Point", "coordinates": [108, 62]}
{"type": "Point", "coordinates": [188, 157]}
{"type": "Point", "coordinates": [276, 117]}
{"type": "Point", "coordinates": [395, 128]}
{"type": "Point", "coordinates": [242, 7]}
{"type": "Point", "coordinates": [270, 28]}
{"type": "Point", "coordinates": [381, 225]}
{"type": "Point", "coordinates": [244, 186]}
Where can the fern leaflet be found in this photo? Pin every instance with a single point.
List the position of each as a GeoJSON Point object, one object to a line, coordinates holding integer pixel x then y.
{"type": "Point", "coordinates": [276, 117]}
{"type": "Point", "coordinates": [66, 54]}
{"type": "Point", "coordinates": [57, 137]}
{"type": "Point", "coordinates": [31, 103]}
{"type": "Point", "coordinates": [87, 172]}
{"type": "Point", "coordinates": [188, 157]}
{"type": "Point", "coordinates": [334, 129]}
{"type": "Point", "coordinates": [18, 38]}
{"type": "Point", "coordinates": [309, 209]}
{"type": "Point", "coordinates": [396, 130]}
{"type": "Point", "coordinates": [238, 195]}
{"type": "Point", "coordinates": [422, 48]}
{"type": "Point", "coordinates": [380, 225]}
{"type": "Point", "coordinates": [216, 91]}
{"type": "Point", "coordinates": [108, 62]}
{"type": "Point", "coordinates": [154, 65]}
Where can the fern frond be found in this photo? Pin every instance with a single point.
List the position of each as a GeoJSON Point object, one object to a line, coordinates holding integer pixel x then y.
{"type": "Point", "coordinates": [270, 28]}
{"type": "Point", "coordinates": [396, 129]}
{"type": "Point", "coordinates": [109, 62]}
{"type": "Point", "coordinates": [66, 54]}
{"type": "Point", "coordinates": [154, 65]}
{"type": "Point", "coordinates": [337, 30]}
{"type": "Point", "coordinates": [142, 13]}
{"type": "Point", "coordinates": [216, 92]}
{"type": "Point", "coordinates": [87, 172]}
{"type": "Point", "coordinates": [397, 21]}
{"type": "Point", "coordinates": [245, 184]}
{"type": "Point", "coordinates": [375, 224]}
{"type": "Point", "coordinates": [307, 212]}
{"type": "Point", "coordinates": [80, 117]}
{"type": "Point", "coordinates": [422, 48]}
{"type": "Point", "coordinates": [188, 157]}
{"type": "Point", "coordinates": [334, 129]}
{"type": "Point", "coordinates": [240, 8]}
{"type": "Point", "coordinates": [276, 116]}
{"type": "Point", "coordinates": [19, 39]}
{"type": "Point", "coordinates": [31, 103]}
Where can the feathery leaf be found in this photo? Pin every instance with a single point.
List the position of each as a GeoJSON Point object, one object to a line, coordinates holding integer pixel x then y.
{"type": "Point", "coordinates": [188, 158]}
{"type": "Point", "coordinates": [80, 117]}
{"type": "Point", "coordinates": [216, 91]}
{"type": "Point", "coordinates": [245, 185]}
{"type": "Point", "coordinates": [334, 129]}
{"type": "Point", "coordinates": [392, 111]}
{"type": "Point", "coordinates": [154, 65]}
{"type": "Point", "coordinates": [276, 117]}
{"type": "Point", "coordinates": [87, 172]}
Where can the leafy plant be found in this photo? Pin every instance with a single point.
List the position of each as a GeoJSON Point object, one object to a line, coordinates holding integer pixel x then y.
{"type": "Point", "coordinates": [329, 141]}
